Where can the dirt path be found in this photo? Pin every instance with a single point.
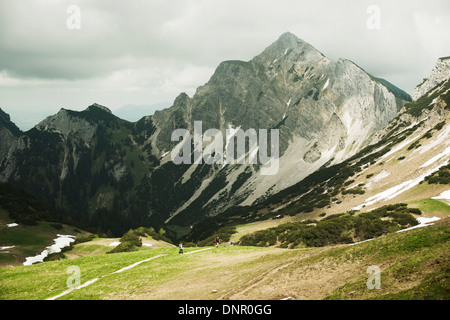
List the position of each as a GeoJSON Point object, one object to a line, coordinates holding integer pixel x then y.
{"type": "Point", "coordinates": [253, 290]}
{"type": "Point", "coordinates": [87, 283]}
{"type": "Point", "coordinates": [266, 276]}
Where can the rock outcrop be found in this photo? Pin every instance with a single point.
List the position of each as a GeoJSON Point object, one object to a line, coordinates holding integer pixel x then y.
{"type": "Point", "coordinates": [440, 73]}
{"type": "Point", "coordinates": [326, 111]}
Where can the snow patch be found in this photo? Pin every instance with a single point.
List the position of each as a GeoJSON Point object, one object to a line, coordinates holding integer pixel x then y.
{"type": "Point", "coordinates": [444, 196]}
{"type": "Point", "coordinates": [423, 222]}
{"type": "Point", "coordinates": [400, 146]}
{"type": "Point", "coordinates": [6, 247]}
{"type": "Point", "coordinates": [441, 139]}
{"type": "Point", "coordinates": [383, 174]}
{"type": "Point", "coordinates": [326, 84]}
{"type": "Point", "coordinates": [61, 242]}
{"type": "Point", "coordinates": [398, 189]}
{"type": "Point", "coordinates": [436, 158]}
{"type": "Point", "coordinates": [287, 103]}
{"type": "Point", "coordinates": [165, 154]}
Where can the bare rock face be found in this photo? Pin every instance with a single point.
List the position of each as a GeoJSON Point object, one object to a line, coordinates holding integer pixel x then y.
{"type": "Point", "coordinates": [326, 111]}
{"type": "Point", "coordinates": [9, 133]}
{"type": "Point", "coordinates": [66, 124]}
{"type": "Point", "coordinates": [441, 72]}
{"type": "Point", "coordinates": [9, 141]}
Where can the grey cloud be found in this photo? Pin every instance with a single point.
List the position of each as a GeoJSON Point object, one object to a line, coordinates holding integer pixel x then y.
{"type": "Point", "coordinates": [162, 41]}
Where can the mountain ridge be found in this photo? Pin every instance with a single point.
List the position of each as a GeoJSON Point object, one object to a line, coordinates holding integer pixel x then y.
{"type": "Point", "coordinates": [115, 170]}
{"type": "Point", "coordinates": [440, 72]}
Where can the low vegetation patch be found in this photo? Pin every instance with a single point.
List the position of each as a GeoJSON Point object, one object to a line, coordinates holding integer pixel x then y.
{"type": "Point", "coordinates": [357, 190]}
{"type": "Point", "coordinates": [442, 176]}
{"type": "Point", "coordinates": [131, 240]}
{"type": "Point", "coordinates": [335, 229]}
{"type": "Point", "coordinates": [416, 108]}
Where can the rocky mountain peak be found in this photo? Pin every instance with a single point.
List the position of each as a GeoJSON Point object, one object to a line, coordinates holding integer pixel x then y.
{"type": "Point", "coordinates": [286, 49]}
{"type": "Point", "coordinates": [9, 133]}
{"type": "Point", "coordinates": [4, 116]}
{"type": "Point", "coordinates": [440, 73]}
{"type": "Point", "coordinates": [288, 40]}
{"type": "Point", "coordinates": [97, 106]}
{"type": "Point", "coordinates": [68, 123]}
{"type": "Point", "coordinates": [5, 122]}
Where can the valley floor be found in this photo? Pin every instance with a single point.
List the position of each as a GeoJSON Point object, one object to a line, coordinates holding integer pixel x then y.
{"type": "Point", "coordinates": [414, 265]}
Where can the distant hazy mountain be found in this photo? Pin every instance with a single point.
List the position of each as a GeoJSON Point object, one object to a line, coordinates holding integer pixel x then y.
{"type": "Point", "coordinates": [25, 119]}
{"type": "Point", "coordinates": [133, 112]}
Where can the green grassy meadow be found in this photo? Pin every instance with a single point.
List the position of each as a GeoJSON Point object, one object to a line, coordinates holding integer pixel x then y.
{"type": "Point", "coordinates": [414, 265]}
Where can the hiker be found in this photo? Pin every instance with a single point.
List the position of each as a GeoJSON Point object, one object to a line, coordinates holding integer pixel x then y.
{"type": "Point", "coordinates": [216, 242]}
{"type": "Point", "coordinates": [181, 248]}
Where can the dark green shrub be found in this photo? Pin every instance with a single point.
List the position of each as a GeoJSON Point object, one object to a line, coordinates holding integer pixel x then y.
{"type": "Point", "coordinates": [131, 237]}
{"type": "Point", "coordinates": [392, 207]}
{"type": "Point", "coordinates": [130, 241]}
{"type": "Point", "coordinates": [414, 145]}
{"type": "Point", "coordinates": [123, 247]}
{"type": "Point", "coordinates": [349, 182]}
{"type": "Point", "coordinates": [442, 176]}
{"type": "Point", "coordinates": [354, 191]}
{"type": "Point", "coordinates": [322, 204]}
{"type": "Point", "coordinates": [404, 219]}
{"type": "Point", "coordinates": [415, 211]}
{"type": "Point", "coordinates": [80, 238]}
{"type": "Point", "coordinates": [439, 126]}
{"type": "Point", "coordinates": [335, 229]}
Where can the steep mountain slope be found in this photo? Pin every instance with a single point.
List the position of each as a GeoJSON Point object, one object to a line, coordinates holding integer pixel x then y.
{"type": "Point", "coordinates": [118, 175]}
{"type": "Point", "coordinates": [440, 73]}
{"type": "Point", "coordinates": [326, 111]}
{"type": "Point", "coordinates": [409, 163]}
{"type": "Point", "coordinates": [80, 161]}
{"type": "Point", "coordinates": [9, 135]}
{"type": "Point", "coordinates": [28, 226]}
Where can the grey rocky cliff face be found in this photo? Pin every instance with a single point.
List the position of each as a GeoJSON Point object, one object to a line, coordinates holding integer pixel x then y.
{"type": "Point", "coordinates": [440, 72]}
{"type": "Point", "coordinates": [326, 111]}
{"type": "Point", "coordinates": [290, 82]}
{"type": "Point", "coordinates": [10, 141]}
{"type": "Point", "coordinates": [9, 134]}
{"type": "Point", "coordinates": [68, 125]}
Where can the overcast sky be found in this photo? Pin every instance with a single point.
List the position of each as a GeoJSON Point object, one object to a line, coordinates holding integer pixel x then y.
{"type": "Point", "coordinates": [144, 52]}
